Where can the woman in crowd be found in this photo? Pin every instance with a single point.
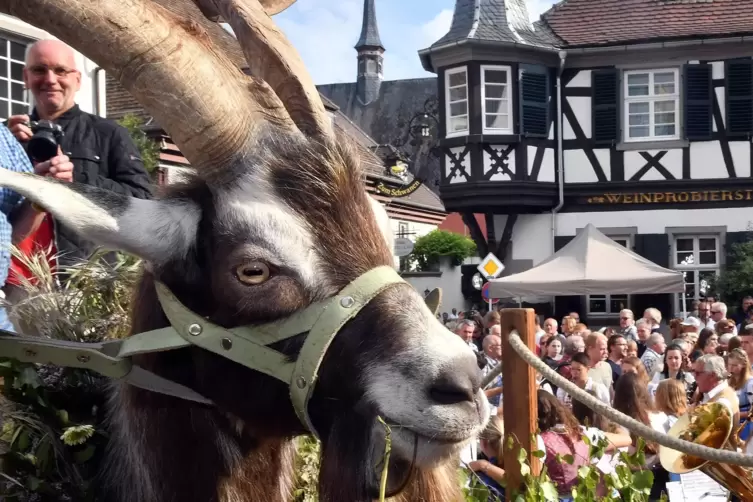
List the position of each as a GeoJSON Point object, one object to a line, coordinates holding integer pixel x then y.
{"type": "Point", "coordinates": [675, 328]}
{"type": "Point", "coordinates": [562, 436]}
{"type": "Point", "coordinates": [568, 325]}
{"type": "Point", "coordinates": [541, 347]}
{"type": "Point", "coordinates": [671, 399]}
{"type": "Point", "coordinates": [631, 398]}
{"type": "Point", "coordinates": [707, 343]}
{"type": "Point", "coordinates": [491, 471]}
{"type": "Point", "coordinates": [673, 369]}
{"type": "Point", "coordinates": [740, 379]}
{"type": "Point", "coordinates": [632, 364]}
{"type": "Point", "coordinates": [632, 348]}
{"type": "Point", "coordinates": [734, 343]}
{"type": "Point", "coordinates": [552, 352]}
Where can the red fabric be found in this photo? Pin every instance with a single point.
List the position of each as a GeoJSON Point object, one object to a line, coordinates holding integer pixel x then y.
{"type": "Point", "coordinates": [39, 241]}
{"type": "Point", "coordinates": [564, 475]}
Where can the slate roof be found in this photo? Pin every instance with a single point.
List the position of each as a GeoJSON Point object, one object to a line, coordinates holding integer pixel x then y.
{"type": "Point", "coordinates": [504, 21]}
{"type": "Point", "coordinates": [369, 30]}
{"type": "Point", "coordinates": [610, 22]}
{"type": "Point", "coordinates": [386, 119]}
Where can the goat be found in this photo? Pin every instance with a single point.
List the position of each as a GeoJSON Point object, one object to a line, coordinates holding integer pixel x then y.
{"type": "Point", "coordinates": [275, 218]}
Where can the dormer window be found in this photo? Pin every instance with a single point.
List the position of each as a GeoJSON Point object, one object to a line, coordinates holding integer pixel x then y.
{"type": "Point", "coordinates": [456, 88]}
{"type": "Point", "coordinates": [495, 99]}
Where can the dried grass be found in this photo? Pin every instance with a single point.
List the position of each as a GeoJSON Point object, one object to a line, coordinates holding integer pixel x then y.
{"type": "Point", "coordinates": [90, 305]}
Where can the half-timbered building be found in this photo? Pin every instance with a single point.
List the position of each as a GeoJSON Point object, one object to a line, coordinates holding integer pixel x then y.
{"type": "Point", "coordinates": [635, 116]}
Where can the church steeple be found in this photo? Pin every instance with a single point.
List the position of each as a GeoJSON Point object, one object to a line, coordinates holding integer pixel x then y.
{"type": "Point", "coordinates": [370, 56]}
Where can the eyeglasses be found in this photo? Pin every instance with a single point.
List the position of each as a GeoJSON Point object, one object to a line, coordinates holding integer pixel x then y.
{"type": "Point", "coordinates": [42, 70]}
{"type": "Point", "coordinates": [716, 312]}
{"type": "Point", "coordinates": [625, 318]}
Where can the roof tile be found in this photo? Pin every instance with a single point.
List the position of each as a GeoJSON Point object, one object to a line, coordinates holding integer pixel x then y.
{"type": "Point", "coordinates": [608, 22]}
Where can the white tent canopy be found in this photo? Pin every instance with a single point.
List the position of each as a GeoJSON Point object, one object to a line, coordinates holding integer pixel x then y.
{"type": "Point", "coordinates": [591, 263]}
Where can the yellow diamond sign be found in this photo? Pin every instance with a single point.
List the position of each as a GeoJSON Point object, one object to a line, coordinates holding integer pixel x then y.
{"type": "Point", "coordinates": [490, 267]}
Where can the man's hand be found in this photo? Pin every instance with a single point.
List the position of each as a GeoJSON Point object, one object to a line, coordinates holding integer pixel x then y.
{"type": "Point", "coordinates": [18, 126]}
{"type": "Point", "coordinates": [59, 167]}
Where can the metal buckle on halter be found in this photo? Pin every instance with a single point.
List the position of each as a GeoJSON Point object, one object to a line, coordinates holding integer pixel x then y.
{"type": "Point", "coordinates": [247, 345]}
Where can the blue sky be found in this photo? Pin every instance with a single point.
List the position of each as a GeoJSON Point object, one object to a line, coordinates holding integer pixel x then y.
{"type": "Point", "coordinates": [325, 31]}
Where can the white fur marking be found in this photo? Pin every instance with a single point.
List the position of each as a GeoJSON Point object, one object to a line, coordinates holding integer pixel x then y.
{"type": "Point", "coordinates": [283, 230]}
{"type": "Point", "coordinates": [383, 221]}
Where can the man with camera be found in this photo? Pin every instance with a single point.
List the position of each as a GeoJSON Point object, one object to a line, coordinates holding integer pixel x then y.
{"type": "Point", "coordinates": [69, 144]}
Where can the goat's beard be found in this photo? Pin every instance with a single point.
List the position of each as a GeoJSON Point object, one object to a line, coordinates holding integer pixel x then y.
{"type": "Point", "coordinates": [352, 464]}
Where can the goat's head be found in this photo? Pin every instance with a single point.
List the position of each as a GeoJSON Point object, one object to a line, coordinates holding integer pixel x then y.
{"type": "Point", "coordinates": [276, 219]}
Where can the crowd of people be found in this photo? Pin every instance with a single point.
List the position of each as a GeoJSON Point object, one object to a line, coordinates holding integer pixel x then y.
{"type": "Point", "coordinates": [650, 370]}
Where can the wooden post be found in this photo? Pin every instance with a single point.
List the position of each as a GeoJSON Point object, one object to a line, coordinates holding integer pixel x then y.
{"type": "Point", "coordinates": [520, 409]}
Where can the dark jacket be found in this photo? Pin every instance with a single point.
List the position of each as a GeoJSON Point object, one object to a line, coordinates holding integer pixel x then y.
{"type": "Point", "coordinates": [103, 155]}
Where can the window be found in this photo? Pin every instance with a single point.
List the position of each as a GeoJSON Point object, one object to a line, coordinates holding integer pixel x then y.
{"type": "Point", "coordinates": [698, 259]}
{"type": "Point", "coordinates": [456, 83]}
{"type": "Point", "coordinates": [495, 99]}
{"type": "Point", "coordinates": [605, 305]}
{"type": "Point", "coordinates": [14, 99]}
{"type": "Point", "coordinates": [652, 105]}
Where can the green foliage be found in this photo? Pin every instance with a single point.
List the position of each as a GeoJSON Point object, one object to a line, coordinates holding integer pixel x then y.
{"type": "Point", "coordinates": [307, 469]}
{"type": "Point", "coordinates": [734, 283]}
{"type": "Point", "coordinates": [53, 436]}
{"type": "Point", "coordinates": [149, 149]}
{"type": "Point", "coordinates": [437, 243]}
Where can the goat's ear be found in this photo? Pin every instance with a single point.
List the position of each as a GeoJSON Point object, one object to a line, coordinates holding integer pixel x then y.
{"type": "Point", "coordinates": [383, 221]}
{"type": "Point", "coordinates": [155, 230]}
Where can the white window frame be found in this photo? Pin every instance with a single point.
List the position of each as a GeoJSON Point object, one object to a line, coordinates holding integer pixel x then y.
{"type": "Point", "coordinates": [696, 267]}
{"type": "Point", "coordinates": [9, 37]}
{"type": "Point", "coordinates": [608, 298]}
{"type": "Point", "coordinates": [651, 99]}
{"type": "Point", "coordinates": [508, 99]}
{"type": "Point", "coordinates": [449, 132]}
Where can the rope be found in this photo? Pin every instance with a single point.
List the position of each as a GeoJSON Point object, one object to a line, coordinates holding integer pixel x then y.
{"type": "Point", "coordinates": [714, 455]}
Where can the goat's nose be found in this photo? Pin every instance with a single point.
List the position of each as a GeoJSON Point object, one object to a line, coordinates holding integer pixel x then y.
{"type": "Point", "coordinates": [457, 383]}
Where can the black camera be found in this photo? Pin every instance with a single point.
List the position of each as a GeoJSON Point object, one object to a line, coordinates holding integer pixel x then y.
{"type": "Point", "coordinates": [47, 136]}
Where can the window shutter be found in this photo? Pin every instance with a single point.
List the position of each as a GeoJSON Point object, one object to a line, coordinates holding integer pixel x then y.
{"type": "Point", "coordinates": [699, 100]}
{"type": "Point", "coordinates": [739, 97]}
{"type": "Point", "coordinates": [534, 101]}
{"type": "Point", "coordinates": [604, 106]}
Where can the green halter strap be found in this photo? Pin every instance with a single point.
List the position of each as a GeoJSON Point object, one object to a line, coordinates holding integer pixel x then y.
{"type": "Point", "coordinates": [246, 345]}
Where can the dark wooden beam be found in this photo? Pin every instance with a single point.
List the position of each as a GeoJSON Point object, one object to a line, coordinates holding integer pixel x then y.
{"type": "Point", "coordinates": [491, 231]}
{"type": "Point", "coordinates": [476, 234]}
{"type": "Point", "coordinates": [504, 242]}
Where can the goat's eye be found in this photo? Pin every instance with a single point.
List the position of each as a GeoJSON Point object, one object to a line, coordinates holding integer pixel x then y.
{"type": "Point", "coordinates": [252, 273]}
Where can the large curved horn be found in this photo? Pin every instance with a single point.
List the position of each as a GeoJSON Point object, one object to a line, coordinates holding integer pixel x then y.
{"type": "Point", "coordinates": [271, 57]}
{"type": "Point", "coordinates": [209, 107]}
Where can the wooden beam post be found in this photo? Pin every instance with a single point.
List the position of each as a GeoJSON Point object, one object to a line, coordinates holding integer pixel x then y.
{"type": "Point", "coordinates": [520, 409]}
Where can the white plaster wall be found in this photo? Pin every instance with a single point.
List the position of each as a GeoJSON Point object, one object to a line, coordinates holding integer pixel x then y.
{"type": "Point", "coordinates": [582, 79]}
{"type": "Point", "coordinates": [531, 236]}
{"type": "Point", "coordinates": [657, 221]}
{"type": "Point", "coordinates": [578, 168]}
{"type": "Point", "coordinates": [449, 281]}
{"type": "Point", "coordinates": [86, 97]}
{"type": "Point", "coordinates": [672, 161]}
{"type": "Point", "coordinates": [418, 229]}
{"type": "Point", "coordinates": [546, 173]}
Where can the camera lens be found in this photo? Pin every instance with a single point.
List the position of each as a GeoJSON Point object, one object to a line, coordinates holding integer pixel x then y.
{"type": "Point", "coordinates": [42, 146]}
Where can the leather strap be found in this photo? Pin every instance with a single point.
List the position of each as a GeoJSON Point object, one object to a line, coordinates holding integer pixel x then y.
{"type": "Point", "coordinates": [244, 345]}
{"type": "Point", "coordinates": [340, 309]}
